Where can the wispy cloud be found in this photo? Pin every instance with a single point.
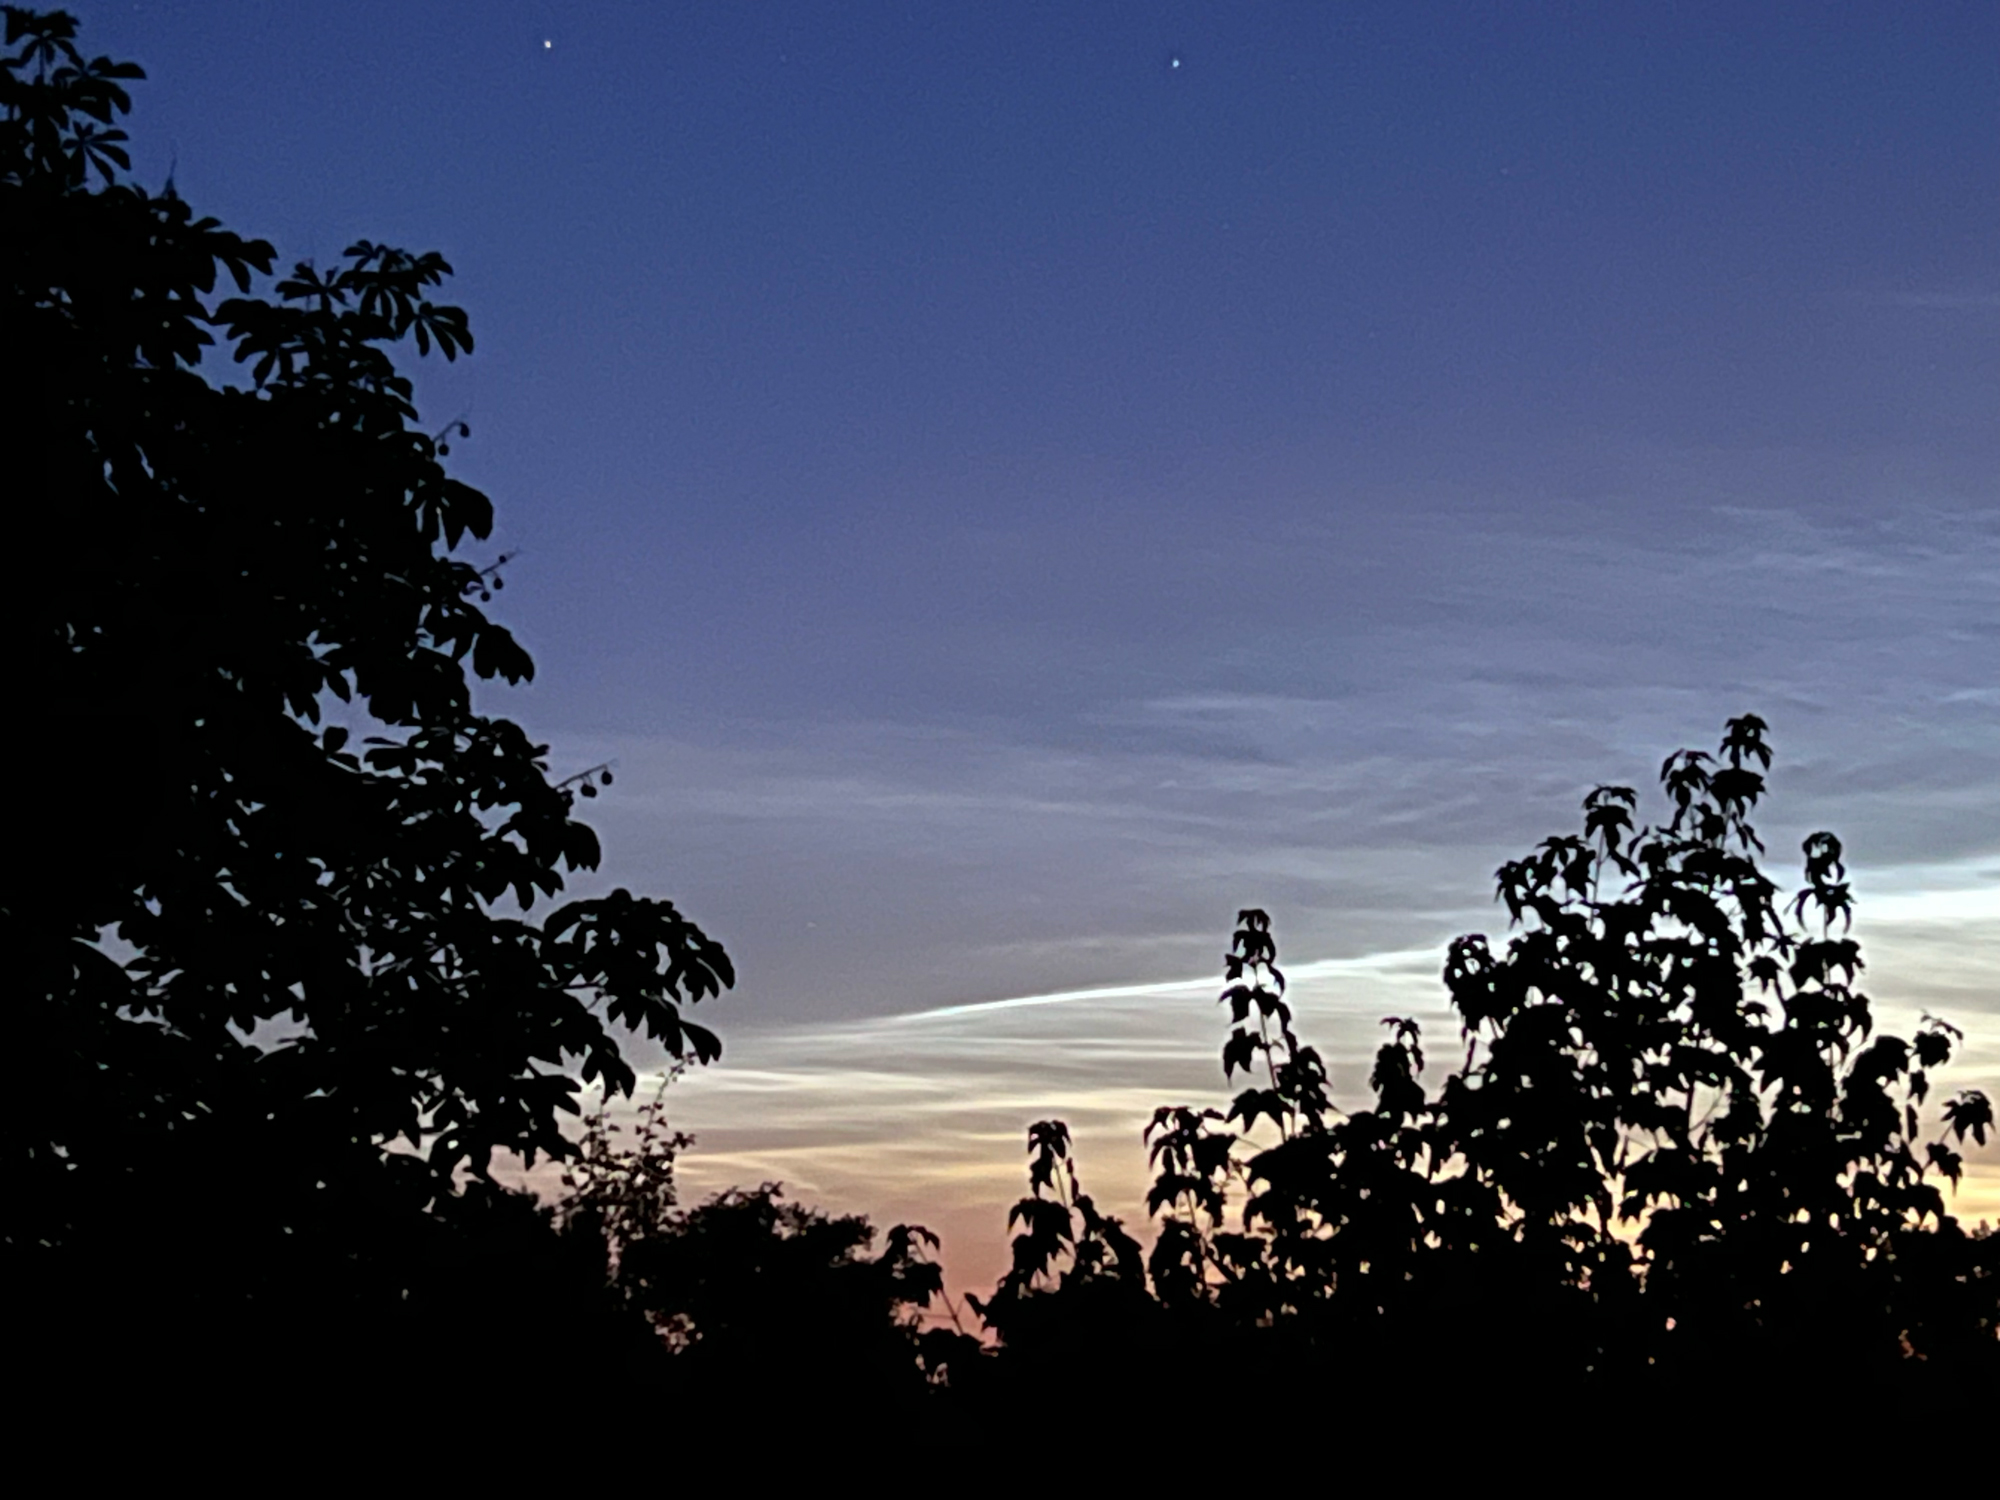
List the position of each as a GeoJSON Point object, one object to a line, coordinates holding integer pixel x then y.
{"type": "Point", "coordinates": [1364, 796]}
{"type": "Point", "coordinates": [920, 1116]}
{"type": "Point", "coordinates": [944, 923]}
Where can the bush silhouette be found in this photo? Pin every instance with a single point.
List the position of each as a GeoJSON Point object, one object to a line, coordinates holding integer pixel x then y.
{"type": "Point", "coordinates": [769, 1307]}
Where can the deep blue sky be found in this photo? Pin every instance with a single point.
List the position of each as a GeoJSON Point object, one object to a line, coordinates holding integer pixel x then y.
{"type": "Point", "coordinates": [802, 321]}
{"type": "Point", "coordinates": [1008, 500]}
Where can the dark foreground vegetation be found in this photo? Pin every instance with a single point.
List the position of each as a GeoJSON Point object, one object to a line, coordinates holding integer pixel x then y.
{"type": "Point", "coordinates": [281, 997]}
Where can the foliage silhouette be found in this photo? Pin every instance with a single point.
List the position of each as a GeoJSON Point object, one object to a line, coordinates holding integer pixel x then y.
{"type": "Point", "coordinates": [277, 1008]}
{"type": "Point", "coordinates": [1676, 1145]}
{"type": "Point", "coordinates": [764, 1304]}
{"type": "Point", "coordinates": [279, 1020]}
{"type": "Point", "coordinates": [1066, 1245]}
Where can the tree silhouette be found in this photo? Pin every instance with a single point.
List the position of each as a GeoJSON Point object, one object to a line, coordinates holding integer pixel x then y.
{"type": "Point", "coordinates": [1676, 1147]}
{"type": "Point", "coordinates": [278, 987]}
{"type": "Point", "coordinates": [770, 1311]}
{"type": "Point", "coordinates": [288, 973]}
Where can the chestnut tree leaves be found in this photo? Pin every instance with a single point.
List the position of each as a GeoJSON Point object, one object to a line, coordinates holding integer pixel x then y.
{"type": "Point", "coordinates": [274, 872]}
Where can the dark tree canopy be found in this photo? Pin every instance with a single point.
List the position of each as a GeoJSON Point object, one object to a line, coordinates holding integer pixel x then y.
{"type": "Point", "coordinates": [267, 905]}
{"type": "Point", "coordinates": [762, 1301]}
{"type": "Point", "coordinates": [289, 967]}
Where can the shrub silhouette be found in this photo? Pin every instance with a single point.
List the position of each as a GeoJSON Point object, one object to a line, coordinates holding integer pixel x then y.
{"type": "Point", "coordinates": [760, 1300]}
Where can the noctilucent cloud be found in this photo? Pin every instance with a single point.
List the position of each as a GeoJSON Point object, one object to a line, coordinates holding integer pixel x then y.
{"type": "Point", "coordinates": [1010, 486]}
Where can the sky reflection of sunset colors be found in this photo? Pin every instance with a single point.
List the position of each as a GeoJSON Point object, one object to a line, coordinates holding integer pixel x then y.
{"type": "Point", "coordinates": [1010, 486]}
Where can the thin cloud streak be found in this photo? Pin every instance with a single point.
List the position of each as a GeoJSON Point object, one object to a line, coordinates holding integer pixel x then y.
{"type": "Point", "coordinates": [938, 914]}
{"type": "Point", "coordinates": [1324, 968]}
{"type": "Point", "coordinates": [920, 1116]}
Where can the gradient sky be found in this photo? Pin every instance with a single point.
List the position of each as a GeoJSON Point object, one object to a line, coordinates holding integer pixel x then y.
{"type": "Point", "coordinates": [1011, 485]}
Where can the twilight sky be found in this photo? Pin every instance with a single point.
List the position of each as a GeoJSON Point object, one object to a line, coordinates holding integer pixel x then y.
{"type": "Point", "coordinates": [1011, 485]}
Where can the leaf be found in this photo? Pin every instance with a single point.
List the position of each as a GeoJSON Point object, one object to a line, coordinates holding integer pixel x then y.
{"type": "Point", "coordinates": [1969, 1113]}
{"type": "Point", "coordinates": [1945, 1160]}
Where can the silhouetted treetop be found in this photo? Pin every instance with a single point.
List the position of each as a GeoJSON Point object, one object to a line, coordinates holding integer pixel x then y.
{"type": "Point", "coordinates": [1675, 1144]}
{"type": "Point", "coordinates": [269, 901]}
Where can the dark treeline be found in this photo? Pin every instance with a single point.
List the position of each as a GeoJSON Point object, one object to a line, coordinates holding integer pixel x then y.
{"type": "Point", "coordinates": [290, 968]}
